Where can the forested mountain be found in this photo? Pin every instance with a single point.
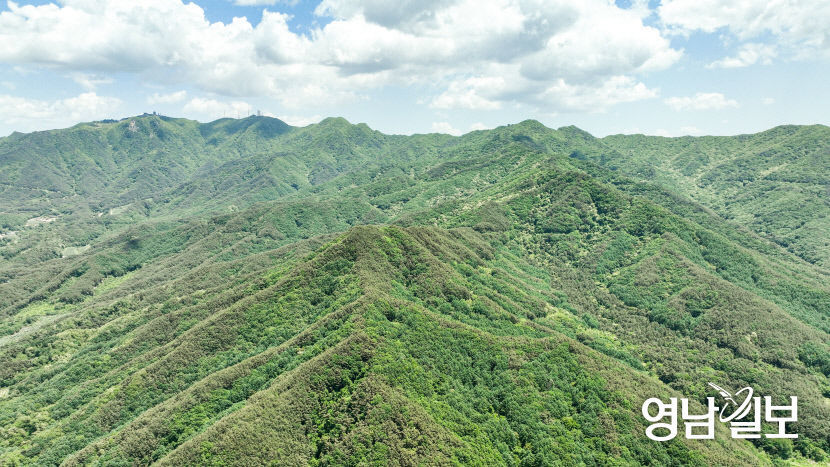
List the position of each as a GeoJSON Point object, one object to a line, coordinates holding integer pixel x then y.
{"type": "Point", "coordinates": [776, 183]}
{"type": "Point", "coordinates": [245, 292]}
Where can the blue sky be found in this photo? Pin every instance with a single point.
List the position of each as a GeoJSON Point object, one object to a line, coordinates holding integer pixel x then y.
{"type": "Point", "coordinates": [674, 67]}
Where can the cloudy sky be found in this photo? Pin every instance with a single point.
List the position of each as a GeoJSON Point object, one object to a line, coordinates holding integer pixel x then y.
{"type": "Point", "coordinates": [667, 67]}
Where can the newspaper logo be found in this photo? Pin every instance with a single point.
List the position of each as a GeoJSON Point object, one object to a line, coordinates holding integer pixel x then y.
{"type": "Point", "coordinates": [741, 410]}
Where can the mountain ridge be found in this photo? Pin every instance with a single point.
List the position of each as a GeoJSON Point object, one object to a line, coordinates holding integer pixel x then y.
{"type": "Point", "coordinates": [510, 296]}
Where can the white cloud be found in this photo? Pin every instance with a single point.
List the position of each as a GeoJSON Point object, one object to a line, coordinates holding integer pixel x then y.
{"type": "Point", "coordinates": [162, 40]}
{"type": "Point", "coordinates": [479, 126]}
{"type": "Point", "coordinates": [255, 2]}
{"type": "Point", "coordinates": [399, 14]}
{"type": "Point", "coordinates": [445, 127]}
{"type": "Point", "coordinates": [519, 52]}
{"type": "Point", "coordinates": [467, 94]}
{"type": "Point", "coordinates": [90, 81]}
{"type": "Point", "coordinates": [768, 101]}
{"type": "Point", "coordinates": [457, 49]}
{"type": "Point", "coordinates": [169, 98]}
{"type": "Point", "coordinates": [688, 130]}
{"type": "Point", "coordinates": [299, 120]}
{"type": "Point", "coordinates": [264, 2]}
{"type": "Point", "coordinates": [603, 41]}
{"type": "Point", "coordinates": [800, 26]}
{"type": "Point", "coordinates": [212, 109]}
{"type": "Point", "coordinates": [683, 131]}
{"type": "Point", "coordinates": [701, 101]}
{"type": "Point", "coordinates": [274, 42]}
{"type": "Point", "coordinates": [492, 92]}
{"type": "Point", "coordinates": [596, 98]}
{"type": "Point", "coordinates": [23, 114]}
{"type": "Point", "coordinates": [748, 54]}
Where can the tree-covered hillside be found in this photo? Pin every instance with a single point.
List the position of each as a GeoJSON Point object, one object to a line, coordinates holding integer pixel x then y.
{"type": "Point", "coordinates": [777, 183]}
{"type": "Point", "coordinates": [243, 292]}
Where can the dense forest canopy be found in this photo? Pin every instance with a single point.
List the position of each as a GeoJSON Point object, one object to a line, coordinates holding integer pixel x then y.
{"type": "Point", "coordinates": [244, 291]}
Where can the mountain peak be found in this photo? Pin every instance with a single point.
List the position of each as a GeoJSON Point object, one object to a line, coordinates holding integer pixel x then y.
{"type": "Point", "coordinates": [530, 124]}
{"type": "Point", "coordinates": [267, 127]}
{"type": "Point", "coordinates": [574, 132]}
{"type": "Point", "coordinates": [335, 122]}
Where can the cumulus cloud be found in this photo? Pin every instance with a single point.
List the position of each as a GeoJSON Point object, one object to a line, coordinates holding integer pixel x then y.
{"type": "Point", "coordinates": [211, 109]}
{"type": "Point", "coordinates": [479, 93]}
{"type": "Point", "coordinates": [264, 2]}
{"type": "Point", "coordinates": [595, 98]}
{"type": "Point", "coordinates": [401, 14]}
{"type": "Point", "coordinates": [90, 81]}
{"type": "Point", "coordinates": [445, 127]}
{"type": "Point", "coordinates": [749, 54]}
{"type": "Point", "coordinates": [530, 51]}
{"type": "Point", "coordinates": [602, 42]}
{"type": "Point", "coordinates": [479, 126]}
{"type": "Point", "coordinates": [27, 114]}
{"type": "Point", "coordinates": [299, 120]}
{"type": "Point", "coordinates": [161, 40]}
{"type": "Point", "coordinates": [505, 52]}
{"type": "Point", "coordinates": [688, 130]}
{"type": "Point", "coordinates": [701, 101]}
{"type": "Point", "coordinates": [799, 26]}
{"type": "Point", "coordinates": [255, 2]}
{"type": "Point", "coordinates": [169, 98]}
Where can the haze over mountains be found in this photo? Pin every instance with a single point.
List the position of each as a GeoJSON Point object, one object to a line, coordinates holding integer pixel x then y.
{"type": "Point", "coordinates": [244, 291]}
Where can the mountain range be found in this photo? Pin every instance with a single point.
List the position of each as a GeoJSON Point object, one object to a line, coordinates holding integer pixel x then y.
{"type": "Point", "coordinates": [245, 292]}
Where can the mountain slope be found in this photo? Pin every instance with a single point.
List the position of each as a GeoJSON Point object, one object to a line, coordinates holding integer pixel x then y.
{"type": "Point", "coordinates": [332, 295]}
{"type": "Point", "coordinates": [390, 372]}
{"type": "Point", "coordinates": [775, 182]}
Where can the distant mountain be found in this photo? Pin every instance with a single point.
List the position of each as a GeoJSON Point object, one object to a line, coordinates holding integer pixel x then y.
{"type": "Point", "coordinates": [246, 292]}
{"type": "Point", "coordinates": [776, 183]}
